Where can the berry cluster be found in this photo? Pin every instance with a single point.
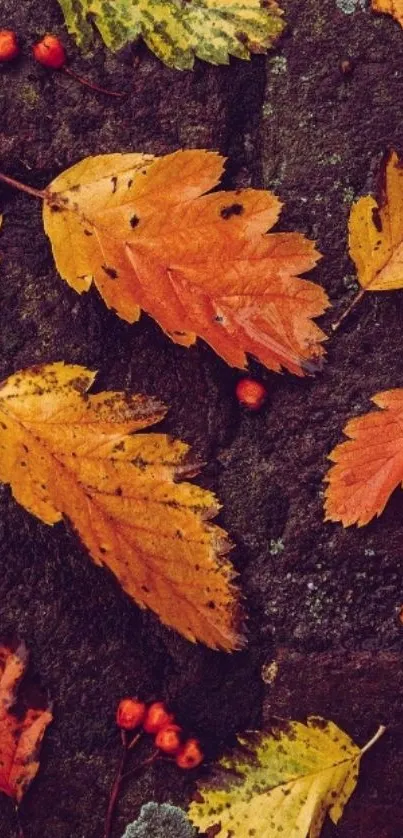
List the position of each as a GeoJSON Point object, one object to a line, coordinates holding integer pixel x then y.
{"type": "Point", "coordinates": [50, 53]}
{"type": "Point", "coordinates": [160, 723]}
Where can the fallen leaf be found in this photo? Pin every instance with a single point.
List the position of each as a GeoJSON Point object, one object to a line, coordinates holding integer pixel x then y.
{"type": "Point", "coordinates": [69, 454]}
{"type": "Point", "coordinates": [390, 7]}
{"type": "Point", "coordinates": [283, 782]}
{"type": "Point", "coordinates": [376, 235]}
{"type": "Point", "coordinates": [20, 735]}
{"type": "Point", "coordinates": [142, 229]}
{"type": "Point", "coordinates": [177, 32]}
{"type": "Point", "coordinates": [368, 467]}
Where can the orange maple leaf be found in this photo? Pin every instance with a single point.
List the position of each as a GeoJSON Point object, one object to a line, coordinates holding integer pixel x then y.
{"type": "Point", "coordinates": [144, 231]}
{"type": "Point", "coordinates": [20, 737]}
{"type": "Point", "coordinates": [369, 465]}
{"type": "Point", "coordinates": [69, 454]}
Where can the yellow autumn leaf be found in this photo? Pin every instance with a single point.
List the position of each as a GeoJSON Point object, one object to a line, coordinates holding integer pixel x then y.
{"type": "Point", "coordinates": [390, 7]}
{"type": "Point", "coordinates": [69, 454]}
{"type": "Point", "coordinates": [203, 265]}
{"type": "Point", "coordinates": [376, 235]}
{"type": "Point", "coordinates": [283, 782]}
{"type": "Point", "coordinates": [178, 31]}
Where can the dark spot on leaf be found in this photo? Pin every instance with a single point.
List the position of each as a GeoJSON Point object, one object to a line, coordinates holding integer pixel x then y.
{"type": "Point", "coordinates": [134, 221]}
{"type": "Point", "coordinates": [114, 184]}
{"type": "Point", "coordinates": [211, 604]}
{"type": "Point", "coordinates": [88, 233]}
{"type": "Point", "coordinates": [233, 209]}
{"type": "Point", "coordinates": [110, 272]}
{"type": "Point", "coordinates": [376, 218]}
{"type": "Point", "coordinates": [130, 183]}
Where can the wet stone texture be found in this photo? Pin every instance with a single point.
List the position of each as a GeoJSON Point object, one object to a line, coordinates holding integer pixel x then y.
{"type": "Point", "coordinates": [310, 121]}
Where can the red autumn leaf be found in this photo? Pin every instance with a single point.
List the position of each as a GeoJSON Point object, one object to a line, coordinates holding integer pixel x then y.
{"type": "Point", "coordinates": [368, 467]}
{"type": "Point", "coordinates": [20, 736]}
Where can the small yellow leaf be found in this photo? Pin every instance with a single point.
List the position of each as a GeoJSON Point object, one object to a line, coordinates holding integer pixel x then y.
{"type": "Point", "coordinates": [283, 782]}
{"type": "Point", "coordinates": [69, 454]}
{"type": "Point", "coordinates": [376, 233]}
{"type": "Point", "coordinates": [146, 233]}
{"type": "Point", "coordinates": [390, 7]}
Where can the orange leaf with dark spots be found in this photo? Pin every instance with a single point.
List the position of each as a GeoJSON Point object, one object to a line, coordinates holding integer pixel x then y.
{"type": "Point", "coordinates": [202, 265]}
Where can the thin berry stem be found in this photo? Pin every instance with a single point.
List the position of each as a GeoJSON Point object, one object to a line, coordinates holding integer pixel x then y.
{"type": "Point", "coordinates": [30, 190]}
{"type": "Point", "coordinates": [349, 308]}
{"type": "Point", "coordinates": [134, 741]}
{"type": "Point", "coordinates": [149, 761]}
{"type": "Point", "coordinates": [91, 84]}
{"type": "Point", "coordinates": [116, 788]}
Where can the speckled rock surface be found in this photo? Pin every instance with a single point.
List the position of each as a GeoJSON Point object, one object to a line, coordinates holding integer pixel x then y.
{"type": "Point", "coordinates": [322, 601]}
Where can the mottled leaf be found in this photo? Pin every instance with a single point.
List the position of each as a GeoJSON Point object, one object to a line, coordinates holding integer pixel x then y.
{"type": "Point", "coordinates": [281, 783]}
{"type": "Point", "coordinates": [179, 30]}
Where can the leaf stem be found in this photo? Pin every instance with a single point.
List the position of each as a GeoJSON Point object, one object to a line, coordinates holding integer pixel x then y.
{"type": "Point", "coordinates": [381, 730]}
{"type": "Point", "coordinates": [349, 308]}
{"type": "Point", "coordinates": [20, 831]}
{"type": "Point", "coordinates": [91, 84]}
{"type": "Point", "coordinates": [16, 184]}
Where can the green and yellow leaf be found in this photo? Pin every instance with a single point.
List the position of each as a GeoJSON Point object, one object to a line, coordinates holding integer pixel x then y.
{"type": "Point", "coordinates": [177, 31]}
{"type": "Point", "coordinates": [283, 782]}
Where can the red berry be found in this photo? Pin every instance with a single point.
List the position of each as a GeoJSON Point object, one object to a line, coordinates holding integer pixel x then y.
{"type": "Point", "coordinates": [252, 394]}
{"type": "Point", "coordinates": [157, 717]}
{"type": "Point", "coordinates": [190, 755]}
{"type": "Point", "coordinates": [50, 52]}
{"type": "Point", "coordinates": [9, 48]}
{"type": "Point", "coordinates": [168, 739]}
{"type": "Point", "coordinates": [130, 713]}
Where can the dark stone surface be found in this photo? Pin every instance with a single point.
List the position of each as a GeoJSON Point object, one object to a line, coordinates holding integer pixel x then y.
{"type": "Point", "coordinates": [327, 598]}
